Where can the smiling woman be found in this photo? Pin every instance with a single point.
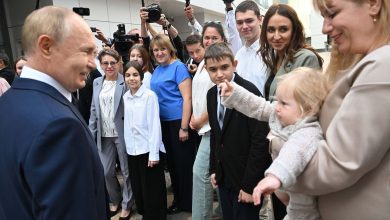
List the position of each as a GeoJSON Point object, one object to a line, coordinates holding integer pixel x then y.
{"type": "Point", "coordinates": [282, 45]}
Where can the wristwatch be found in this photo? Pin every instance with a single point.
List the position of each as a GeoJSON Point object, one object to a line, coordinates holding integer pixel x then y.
{"type": "Point", "coordinates": [184, 129]}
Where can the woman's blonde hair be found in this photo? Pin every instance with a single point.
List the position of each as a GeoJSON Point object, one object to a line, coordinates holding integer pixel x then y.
{"type": "Point", "coordinates": [161, 40]}
{"type": "Point", "coordinates": [340, 62]}
{"type": "Point", "coordinates": [308, 86]}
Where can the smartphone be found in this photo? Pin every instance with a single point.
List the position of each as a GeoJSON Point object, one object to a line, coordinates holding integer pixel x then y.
{"type": "Point", "coordinates": [93, 29]}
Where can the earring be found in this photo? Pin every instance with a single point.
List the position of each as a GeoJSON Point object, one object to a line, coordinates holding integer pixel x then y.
{"type": "Point", "coordinates": [374, 19]}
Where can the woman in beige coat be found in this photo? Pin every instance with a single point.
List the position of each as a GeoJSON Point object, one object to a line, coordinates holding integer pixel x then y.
{"type": "Point", "coordinates": [351, 170]}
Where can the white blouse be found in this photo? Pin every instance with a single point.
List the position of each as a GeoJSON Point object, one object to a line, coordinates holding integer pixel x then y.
{"type": "Point", "coordinates": [106, 102]}
{"type": "Point", "coordinates": [142, 128]}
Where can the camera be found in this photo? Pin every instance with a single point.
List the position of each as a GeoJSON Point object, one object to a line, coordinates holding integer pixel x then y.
{"type": "Point", "coordinates": [154, 12]}
{"type": "Point", "coordinates": [81, 11]}
{"type": "Point", "coordinates": [123, 42]}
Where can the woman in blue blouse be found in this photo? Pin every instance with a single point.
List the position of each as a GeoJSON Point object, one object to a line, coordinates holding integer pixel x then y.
{"type": "Point", "coordinates": [171, 82]}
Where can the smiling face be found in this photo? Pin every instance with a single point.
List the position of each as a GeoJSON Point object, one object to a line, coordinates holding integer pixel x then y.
{"type": "Point", "coordinates": [279, 33]}
{"type": "Point", "coordinates": [350, 25]}
{"type": "Point", "coordinates": [133, 79]}
{"type": "Point", "coordinates": [110, 67]}
{"type": "Point", "coordinates": [288, 111]}
{"type": "Point", "coordinates": [211, 36]}
{"type": "Point", "coordinates": [248, 25]}
{"type": "Point", "coordinates": [74, 58]}
{"type": "Point", "coordinates": [161, 54]}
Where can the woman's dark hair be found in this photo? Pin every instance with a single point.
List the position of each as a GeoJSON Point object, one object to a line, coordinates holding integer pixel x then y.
{"type": "Point", "coordinates": [217, 26]}
{"type": "Point", "coordinates": [147, 67]}
{"type": "Point", "coordinates": [109, 52]}
{"type": "Point", "coordinates": [19, 59]}
{"type": "Point", "coordinates": [297, 39]}
{"type": "Point", "coordinates": [136, 66]}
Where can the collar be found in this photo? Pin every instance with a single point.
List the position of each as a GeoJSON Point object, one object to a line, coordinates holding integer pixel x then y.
{"type": "Point", "coordinates": [139, 93]}
{"type": "Point", "coordinates": [31, 73]}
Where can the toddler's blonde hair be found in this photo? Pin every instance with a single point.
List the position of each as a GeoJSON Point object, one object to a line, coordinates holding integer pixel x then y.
{"type": "Point", "coordinates": [308, 86]}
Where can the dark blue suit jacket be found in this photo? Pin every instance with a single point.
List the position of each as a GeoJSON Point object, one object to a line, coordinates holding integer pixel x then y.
{"type": "Point", "coordinates": [49, 164]}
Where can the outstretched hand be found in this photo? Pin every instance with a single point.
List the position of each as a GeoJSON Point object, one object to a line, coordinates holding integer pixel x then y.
{"type": "Point", "coordinates": [226, 88]}
{"type": "Point", "coordinates": [266, 186]}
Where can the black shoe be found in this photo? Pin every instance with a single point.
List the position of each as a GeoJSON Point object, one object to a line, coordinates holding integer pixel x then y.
{"type": "Point", "coordinates": [173, 209]}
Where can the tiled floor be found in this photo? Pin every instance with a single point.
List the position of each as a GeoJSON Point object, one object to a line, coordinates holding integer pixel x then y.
{"type": "Point", "coordinates": [179, 216]}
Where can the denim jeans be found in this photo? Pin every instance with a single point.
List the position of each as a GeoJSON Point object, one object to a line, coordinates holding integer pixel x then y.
{"type": "Point", "coordinates": [202, 192]}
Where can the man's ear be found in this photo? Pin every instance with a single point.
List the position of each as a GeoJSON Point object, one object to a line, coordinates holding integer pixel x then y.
{"type": "Point", "coordinates": [235, 62]}
{"type": "Point", "coordinates": [45, 44]}
{"type": "Point", "coordinates": [375, 7]}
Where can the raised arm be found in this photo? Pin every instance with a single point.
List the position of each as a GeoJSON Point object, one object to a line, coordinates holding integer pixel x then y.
{"type": "Point", "coordinates": [234, 36]}
{"type": "Point", "coordinates": [235, 96]}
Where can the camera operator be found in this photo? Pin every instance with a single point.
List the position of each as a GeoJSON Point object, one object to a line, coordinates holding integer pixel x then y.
{"type": "Point", "coordinates": [196, 28]}
{"type": "Point", "coordinates": [166, 25]}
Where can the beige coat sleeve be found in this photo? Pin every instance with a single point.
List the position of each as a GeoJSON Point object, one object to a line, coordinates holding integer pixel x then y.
{"type": "Point", "coordinates": [356, 122]}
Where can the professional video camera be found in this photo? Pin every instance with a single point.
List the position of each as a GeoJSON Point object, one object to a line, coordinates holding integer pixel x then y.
{"type": "Point", "coordinates": [123, 42]}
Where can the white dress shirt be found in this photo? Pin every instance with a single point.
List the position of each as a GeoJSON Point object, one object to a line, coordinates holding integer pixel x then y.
{"type": "Point", "coordinates": [146, 80]}
{"type": "Point", "coordinates": [30, 73]}
{"type": "Point", "coordinates": [251, 67]}
{"type": "Point", "coordinates": [196, 28]}
{"type": "Point", "coordinates": [201, 83]}
{"type": "Point", "coordinates": [142, 128]}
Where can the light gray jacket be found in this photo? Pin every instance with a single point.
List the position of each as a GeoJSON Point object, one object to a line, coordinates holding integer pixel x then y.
{"type": "Point", "coordinates": [95, 118]}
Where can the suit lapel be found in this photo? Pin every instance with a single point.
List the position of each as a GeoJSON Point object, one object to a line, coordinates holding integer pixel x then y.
{"type": "Point", "coordinates": [96, 92]}
{"type": "Point", "coordinates": [118, 92]}
{"type": "Point", "coordinates": [214, 109]}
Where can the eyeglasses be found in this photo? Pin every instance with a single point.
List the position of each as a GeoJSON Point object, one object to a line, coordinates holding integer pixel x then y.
{"type": "Point", "coordinates": [213, 22]}
{"type": "Point", "coordinates": [112, 63]}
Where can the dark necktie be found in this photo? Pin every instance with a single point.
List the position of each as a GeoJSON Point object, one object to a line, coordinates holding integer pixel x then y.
{"type": "Point", "coordinates": [221, 114]}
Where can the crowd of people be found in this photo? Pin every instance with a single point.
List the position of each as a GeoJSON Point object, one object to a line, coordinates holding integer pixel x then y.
{"type": "Point", "coordinates": [250, 120]}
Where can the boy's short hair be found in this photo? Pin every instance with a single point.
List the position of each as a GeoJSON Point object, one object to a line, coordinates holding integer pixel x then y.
{"type": "Point", "coordinates": [218, 51]}
{"type": "Point", "coordinates": [136, 66]}
{"type": "Point", "coordinates": [309, 88]}
{"type": "Point", "coordinates": [193, 39]}
{"type": "Point", "coordinates": [248, 5]}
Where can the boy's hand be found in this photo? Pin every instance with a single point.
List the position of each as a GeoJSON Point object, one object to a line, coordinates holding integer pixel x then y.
{"type": "Point", "coordinates": [213, 181]}
{"type": "Point", "coordinates": [266, 186]}
{"type": "Point", "coordinates": [226, 89]}
{"type": "Point", "coordinates": [244, 197]}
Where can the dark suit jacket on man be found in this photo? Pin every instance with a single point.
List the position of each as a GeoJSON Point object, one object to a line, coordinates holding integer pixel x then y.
{"type": "Point", "coordinates": [49, 165]}
{"type": "Point", "coordinates": [239, 153]}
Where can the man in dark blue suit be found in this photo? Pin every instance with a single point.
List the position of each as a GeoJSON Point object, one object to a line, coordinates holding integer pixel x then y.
{"type": "Point", "coordinates": [49, 164]}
